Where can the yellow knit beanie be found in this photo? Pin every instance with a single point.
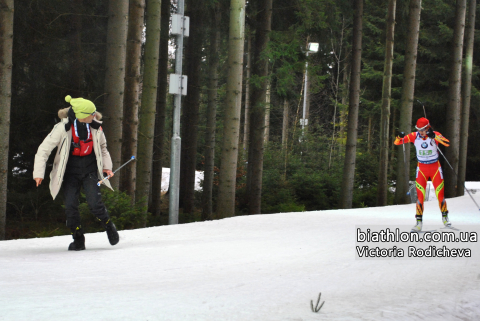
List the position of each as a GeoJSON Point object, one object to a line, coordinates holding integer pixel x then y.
{"type": "Point", "coordinates": [82, 107]}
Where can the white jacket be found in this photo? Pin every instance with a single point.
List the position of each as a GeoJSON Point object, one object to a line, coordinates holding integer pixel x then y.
{"type": "Point", "coordinates": [62, 139]}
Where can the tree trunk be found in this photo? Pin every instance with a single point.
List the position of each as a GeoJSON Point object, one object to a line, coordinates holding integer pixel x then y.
{"type": "Point", "coordinates": [392, 138]}
{"type": "Point", "coordinates": [115, 81]}
{"type": "Point", "coordinates": [258, 109]}
{"type": "Point", "coordinates": [354, 101]}
{"type": "Point", "coordinates": [453, 110]}
{"type": "Point", "coordinates": [285, 124]}
{"type": "Point", "coordinates": [286, 117]}
{"type": "Point", "coordinates": [267, 114]}
{"type": "Point", "coordinates": [246, 127]}
{"type": "Point", "coordinates": [308, 85]}
{"type": "Point", "coordinates": [131, 98]}
{"type": "Point", "coordinates": [382, 188]}
{"type": "Point", "coordinates": [191, 106]}
{"type": "Point", "coordinates": [336, 90]}
{"type": "Point", "coordinates": [212, 58]}
{"type": "Point", "coordinates": [344, 101]}
{"type": "Point", "coordinates": [6, 46]}
{"type": "Point", "coordinates": [77, 74]}
{"type": "Point", "coordinates": [233, 103]}
{"type": "Point", "coordinates": [406, 104]}
{"type": "Point", "coordinates": [161, 110]}
{"type": "Point", "coordinates": [466, 95]}
{"type": "Point", "coordinates": [146, 128]}
{"type": "Point", "coordinates": [369, 134]}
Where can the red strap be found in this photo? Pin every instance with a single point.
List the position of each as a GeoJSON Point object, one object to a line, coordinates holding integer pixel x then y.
{"type": "Point", "coordinates": [76, 139]}
{"type": "Point", "coordinates": [84, 147]}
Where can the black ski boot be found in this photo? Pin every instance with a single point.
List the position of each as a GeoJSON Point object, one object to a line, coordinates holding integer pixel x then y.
{"type": "Point", "coordinates": [112, 233]}
{"type": "Point", "coordinates": [78, 243]}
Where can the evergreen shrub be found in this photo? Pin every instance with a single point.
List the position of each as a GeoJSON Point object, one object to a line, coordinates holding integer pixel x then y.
{"type": "Point", "coordinates": [120, 209]}
{"type": "Point", "coordinates": [297, 182]}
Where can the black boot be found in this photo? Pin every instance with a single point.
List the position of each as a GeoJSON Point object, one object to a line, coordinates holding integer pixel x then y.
{"type": "Point", "coordinates": [78, 243]}
{"type": "Point", "coordinates": [112, 233]}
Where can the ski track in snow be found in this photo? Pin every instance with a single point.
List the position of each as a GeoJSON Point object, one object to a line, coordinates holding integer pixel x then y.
{"type": "Point", "coordinates": [260, 267]}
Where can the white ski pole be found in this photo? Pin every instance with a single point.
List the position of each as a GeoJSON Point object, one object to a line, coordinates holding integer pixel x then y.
{"type": "Point", "coordinates": [457, 177]}
{"type": "Point", "coordinates": [407, 181]}
{"type": "Point", "coordinates": [108, 177]}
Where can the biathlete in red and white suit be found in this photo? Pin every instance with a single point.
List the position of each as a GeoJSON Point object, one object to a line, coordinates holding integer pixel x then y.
{"type": "Point", "coordinates": [426, 141]}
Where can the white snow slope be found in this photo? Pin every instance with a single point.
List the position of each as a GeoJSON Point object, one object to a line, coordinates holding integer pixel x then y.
{"type": "Point", "coordinates": [261, 267]}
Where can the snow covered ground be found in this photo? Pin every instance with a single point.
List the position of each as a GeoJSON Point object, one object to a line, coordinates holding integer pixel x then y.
{"type": "Point", "coordinates": [261, 267]}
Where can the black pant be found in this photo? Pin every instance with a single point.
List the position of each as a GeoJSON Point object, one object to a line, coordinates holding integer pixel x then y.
{"type": "Point", "coordinates": [72, 184]}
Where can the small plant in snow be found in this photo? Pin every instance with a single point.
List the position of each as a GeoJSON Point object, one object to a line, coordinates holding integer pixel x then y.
{"type": "Point", "coordinates": [317, 308]}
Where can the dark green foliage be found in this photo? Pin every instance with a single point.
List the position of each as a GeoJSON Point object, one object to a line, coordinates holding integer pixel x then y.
{"type": "Point", "coordinates": [30, 210]}
{"type": "Point", "coordinates": [317, 190]}
{"type": "Point", "coordinates": [307, 183]}
{"type": "Point", "coordinates": [366, 178]}
{"type": "Point", "coordinates": [34, 214]}
{"type": "Point", "coordinates": [50, 61]}
{"type": "Point", "coordinates": [120, 210]}
{"type": "Point", "coordinates": [304, 184]}
{"type": "Point", "coordinates": [278, 193]}
{"type": "Point", "coordinates": [59, 49]}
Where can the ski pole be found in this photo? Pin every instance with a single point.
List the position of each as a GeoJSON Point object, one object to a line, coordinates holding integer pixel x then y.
{"type": "Point", "coordinates": [101, 181]}
{"type": "Point", "coordinates": [423, 108]}
{"type": "Point", "coordinates": [457, 178]}
{"type": "Point", "coordinates": [405, 162]}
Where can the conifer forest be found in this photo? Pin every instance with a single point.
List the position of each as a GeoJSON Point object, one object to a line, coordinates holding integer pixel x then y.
{"type": "Point", "coordinates": [290, 106]}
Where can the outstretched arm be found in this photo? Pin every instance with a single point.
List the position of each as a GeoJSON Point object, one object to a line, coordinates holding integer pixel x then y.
{"type": "Point", "coordinates": [440, 139]}
{"type": "Point", "coordinates": [410, 138]}
{"type": "Point", "coordinates": [44, 150]}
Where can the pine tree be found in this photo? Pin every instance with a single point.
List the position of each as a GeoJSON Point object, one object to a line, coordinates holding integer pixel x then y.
{"type": "Point", "coordinates": [158, 144]}
{"type": "Point", "coordinates": [258, 108]}
{"type": "Point", "coordinates": [382, 189]}
{"type": "Point", "coordinates": [406, 103]}
{"type": "Point", "coordinates": [212, 62]}
{"type": "Point", "coordinates": [76, 61]}
{"type": "Point", "coordinates": [131, 94]}
{"type": "Point", "coordinates": [146, 128]}
{"type": "Point", "coordinates": [248, 71]}
{"type": "Point", "coordinates": [115, 80]}
{"type": "Point", "coordinates": [453, 109]}
{"type": "Point", "coordinates": [191, 105]}
{"type": "Point", "coordinates": [352, 132]}
{"type": "Point", "coordinates": [466, 95]}
{"type": "Point", "coordinates": [6, 46]}
{"type": "Point", "coordinates": [285, 123]}
{"type": "Point", "coordinates": [231, 122]}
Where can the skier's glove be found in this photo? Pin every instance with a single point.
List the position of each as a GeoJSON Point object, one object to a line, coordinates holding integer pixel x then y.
{"type": "Point", "coordinates": [442, 140]}
{"type": "Point", "coordinates": [430, 133]}
{"type": "Point", "coordinates": [399, 138]}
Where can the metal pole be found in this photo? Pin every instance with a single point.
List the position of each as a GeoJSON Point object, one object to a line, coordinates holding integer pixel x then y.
{"type": "Point", "coordinates": [108, 177]}
{"type": "Point", "coordinates": [305, 93]}
{"type": "Point", "coordinates": [454, 171]}
{"type": "Point", "coordinates": [176, 140]}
